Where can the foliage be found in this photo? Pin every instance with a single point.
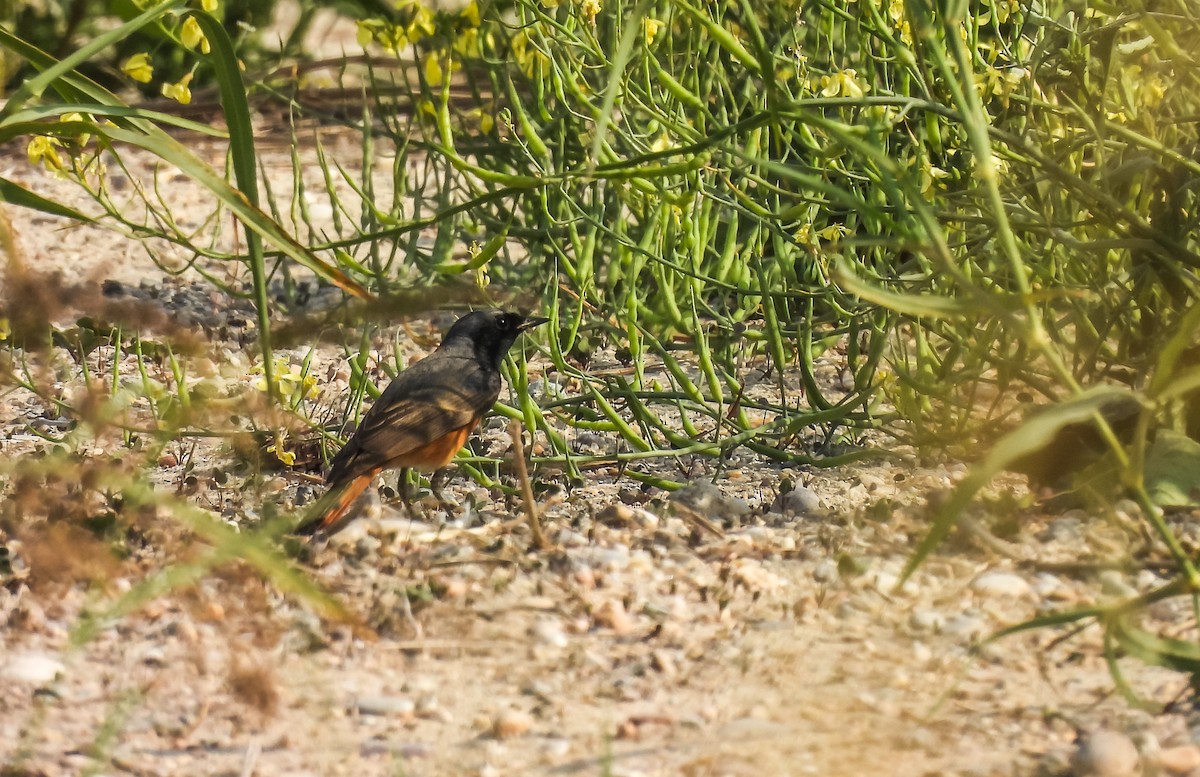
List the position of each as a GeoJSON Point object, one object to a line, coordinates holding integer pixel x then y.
{"type": "Point", "coordinates": [999, 196]}
{"type": "Point", "coordinates": [59, 28]}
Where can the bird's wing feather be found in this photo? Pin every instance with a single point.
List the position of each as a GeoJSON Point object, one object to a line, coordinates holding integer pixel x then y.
{"type": "Point", "coordinates": [414, 411]}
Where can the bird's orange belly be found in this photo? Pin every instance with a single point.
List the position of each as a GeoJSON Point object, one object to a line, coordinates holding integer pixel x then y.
{"type": "Point", "coordinates": [435, 454]}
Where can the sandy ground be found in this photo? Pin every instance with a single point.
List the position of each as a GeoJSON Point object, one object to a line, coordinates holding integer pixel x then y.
{"type": "Point", "coordinates": [638, 645]}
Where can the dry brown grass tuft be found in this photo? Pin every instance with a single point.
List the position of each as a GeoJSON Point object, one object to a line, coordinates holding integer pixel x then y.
{"type": "Point", "coordinates": [62, 554]}
{"type": "Point", "coordinates": [253, 684]}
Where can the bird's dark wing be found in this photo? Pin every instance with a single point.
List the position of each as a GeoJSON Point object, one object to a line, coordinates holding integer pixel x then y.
{"type": "Point", "coordinates": [434, 398]}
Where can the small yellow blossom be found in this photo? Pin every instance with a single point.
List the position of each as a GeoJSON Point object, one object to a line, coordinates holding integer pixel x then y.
{"type": "Point", "coordinates": [999, 83]}
{"type": "Point", "coordinates": [529, 57]}
{"type": "Point", "coordinates": [364, 34]}
{"type": "Point", "coordinates": [931, 178]}
{"type": "Point", "coordinates": [1002, 8]}
{"type": "Point", "coordinates": [192, 36]}
{"type": "Point", "coordinates": [833, 233]}
{"type": "Point", "coordinates": [421, 24]}
{"type": "Point", "coordinates": [394, 39]}
{"type": "Point", "coordinates": [286, 456]}
{"type": "Point", "coordinates": [5, 329]}
{"type": "Point", "coordinates": [471, 14]}
{"type": "Point", "coordinates": [44, 151]}
{"type": "Point", "coordinates": [589, 9]}
{"type": "Point", "coordinates": [466, 43]}
{"type": "Point", "coordinates": [486, 121]}
{"type": "Point", "coordinates": [650, 28]}
{"type": "Point", "coordinates": [843, 83]}
{"type": "Point", "coordinates": [138, 68]}
{"type": "Point", "coordinates": [895, 10]}
{"type": "Point", "coordinates": [84, 138]}
{"type": "Point", "coordinates": [210, 6]}
{"type": "Point", "coordinates": [292, 383]}
{"type": "Point", "coordinates": [1151, 92]}
{"type": "Point", "coordinates": [433, 70]}
{"type": "Point", "coordinates": [180, 92]}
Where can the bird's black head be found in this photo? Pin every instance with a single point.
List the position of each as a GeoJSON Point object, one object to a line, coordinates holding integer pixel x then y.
{"type": "Point", "coordinates": [490, 333]}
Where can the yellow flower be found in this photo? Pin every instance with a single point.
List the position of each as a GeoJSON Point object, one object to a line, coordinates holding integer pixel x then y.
{"type": "Point", "coordinates": [931, 178]}
{"type": "Point", "coordinates": [471, 14]}
{"type": "Point", "coordinates": [833, 233]}
{"type": "Point", "coordinates": [44, 151]}
{"type": "Point", "coordinates": [486, 121]}
{"type": "Point", "coordinates": [138, 68]}
{"type": "Point", "coordinates": [209, 5]}
{"type": "Point", "coordinates": [286, 456]}
{"type": "Point", "coordinates": [180, 92]}
{"type": "Point", "coordinates": [365, 33]}
{"type": "Point", "coordinates": [394, 39]}
{"type": "Point", "coordinates": [84, 138]}
{"type": "Point", "coordinates": [589, 9]}
{"type": "Point", "coordinates": [1151, 91]}
{"type": "Point", "coordinates": [192, 36]}
{"type": "Point", "coordinates": [421, 23]}
{"type": "Point", "coordinates": [433, 70]}
{"type": "Point", "coordinates": [5, 329]}
{"type": "Point", "coordinates": [844, 83]}
{"type": "Point", "coordinates": [466, 43]}
{"type": "Point", "coordinates": [529, 58]}
{"type": "Point", "coordinates": [650, 28]}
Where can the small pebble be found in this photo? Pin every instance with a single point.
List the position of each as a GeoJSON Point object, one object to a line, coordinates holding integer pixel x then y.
{"type": "Point", "coordinates": [826, 571]}
{"type": "Point", "coordinates": [926, 619]}
{"type": "Point", "coordinates": [801, 500]}
{"type": "Point", "coordinates": [1113, 584]}
{"type": "Point", "coordinates": [664, 662]}
{"type": "Point", "coordinates": [611, 614]}
{"type": "Point", "coordinates": [1068, 529]}
{"type": "Point", "coordinates": [1105, 753]}
{"type": "Point", "coordinates": [511, 723]}
{"type": "Point", "coordinates": [33, 669]}
{"type": "Point", "coordinates": [548, 631]}
{"type": "Point", "coordinates": [998, 583]}
{"type": "Point", "coordinates": [399, 706]}
{"type": "Point", "coordinates": [968, 627]}
{"type": "Point", "coordinates": [703, 498]}
{"type": "Point", "coordinates": [427, 707]}
{"type": "Point", "coordinates": [1182, 760]}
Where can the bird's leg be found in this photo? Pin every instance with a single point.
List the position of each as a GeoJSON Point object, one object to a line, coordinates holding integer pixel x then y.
{"type": "Point", "coordinates": [435, 485]}
{"type": "Point", "coordinates": [405, 497]}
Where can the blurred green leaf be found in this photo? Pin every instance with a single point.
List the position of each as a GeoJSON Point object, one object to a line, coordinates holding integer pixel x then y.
{"type": "Point", "coordinates": [1173, 470]}
{"type": "Point", "coordinates": [1032, 435]}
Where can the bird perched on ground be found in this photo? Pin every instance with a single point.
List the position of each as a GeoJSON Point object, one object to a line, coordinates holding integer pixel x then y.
{"type": "Point", "coordinates": [1077, 446]}
{"type": "Point", "coordinates": [426, 415]}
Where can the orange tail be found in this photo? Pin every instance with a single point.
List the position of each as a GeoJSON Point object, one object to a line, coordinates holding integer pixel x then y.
{"type": "Point", "coordinates": [330, 510]}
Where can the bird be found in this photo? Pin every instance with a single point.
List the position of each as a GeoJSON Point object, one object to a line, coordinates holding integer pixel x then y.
{"type": "Point", "coordinates": [424, 417]}
{"type": "Point", "coordinates": [1075, 446]}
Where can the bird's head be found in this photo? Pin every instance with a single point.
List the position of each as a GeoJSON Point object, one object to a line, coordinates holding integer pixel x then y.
{"type": "Point", "coordinates": [490, 333]}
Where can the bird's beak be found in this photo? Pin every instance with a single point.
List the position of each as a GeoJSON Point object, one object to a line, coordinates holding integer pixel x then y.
{"type": "Point", "coordinates": [530, 322]}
